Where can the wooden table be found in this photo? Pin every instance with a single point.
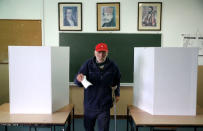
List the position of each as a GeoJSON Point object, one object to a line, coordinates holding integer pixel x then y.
{"type": "Point", "coordinates": [58, 118]}
{"type": "Point", "coordinates": [139, 118]}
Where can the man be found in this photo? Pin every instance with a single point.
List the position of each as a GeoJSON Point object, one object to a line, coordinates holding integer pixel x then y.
{"type": "Point", "coordinates": [69, 19]}
{"type": "Point", "coordinates": [108, 17]}
{"type": "Point", "coordinates": [98, 75]}
{"type": "Point", "coordinates": [149, 19]}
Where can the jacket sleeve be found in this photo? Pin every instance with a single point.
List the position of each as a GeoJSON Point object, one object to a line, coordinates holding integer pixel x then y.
{"type": "Point", "coordinates": [117, 81]}
{"type": "Point", "coordinates": [84, 71]}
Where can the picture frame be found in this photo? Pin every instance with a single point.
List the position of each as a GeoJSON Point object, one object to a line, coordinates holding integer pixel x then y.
{"type": "Point", "coordinates": [108, 16]}
{"type": "Point", "coordinates": [70, 16]}
{"type": "Point", "coordinates": [149, 16]}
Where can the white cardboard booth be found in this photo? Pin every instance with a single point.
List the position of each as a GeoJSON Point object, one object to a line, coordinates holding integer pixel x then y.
{"type": "Point", "coordinates": [38, 79]}
{"type": "Point", "coordinates": [165, 80]}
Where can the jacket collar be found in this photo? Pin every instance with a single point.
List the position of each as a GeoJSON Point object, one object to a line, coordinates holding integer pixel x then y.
{"type": "Point", "coordinates": [106, 64]}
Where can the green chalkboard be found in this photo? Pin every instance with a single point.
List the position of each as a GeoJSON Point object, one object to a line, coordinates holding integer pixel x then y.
{"type": "Point", "coordinates": [121, 47]}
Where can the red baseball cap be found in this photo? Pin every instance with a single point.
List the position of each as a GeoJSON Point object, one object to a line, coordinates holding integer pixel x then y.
{"type": "Point", "coordinates": [101, 47]}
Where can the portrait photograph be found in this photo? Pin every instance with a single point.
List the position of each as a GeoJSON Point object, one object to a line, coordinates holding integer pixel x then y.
{"type": "Point", "coordinates": [70, 16]}
{"type": "Point", "coordinates": [108, 16]}
{"type": "Point", "coordinates": [149, 16]}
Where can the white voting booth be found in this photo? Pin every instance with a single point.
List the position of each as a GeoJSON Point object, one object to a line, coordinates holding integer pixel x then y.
{"type": "Point", "coordinates": [38, 79]}
{"type": "Point", "coordinates": [165, 80]}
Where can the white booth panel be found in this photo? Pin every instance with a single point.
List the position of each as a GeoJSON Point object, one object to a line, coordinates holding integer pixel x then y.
{"type": "Point", "coordinates": [176, 81]}
{"type": "Point", "coordinates": [144, 78]}
{"type": "Point", "coordinates": [31, 82]}
{"type": "Point", "coordinates": [60, 77]}
{"type": "Point", "coordinates": [168, 76]}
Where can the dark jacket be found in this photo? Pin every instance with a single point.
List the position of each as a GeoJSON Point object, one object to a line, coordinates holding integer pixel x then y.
{"type": "Point", "coordinates": [66, 23]}
{"type": "Point", "coordinates": [99, 95]}
{"type": "Point", "coordinates": [110, 24]}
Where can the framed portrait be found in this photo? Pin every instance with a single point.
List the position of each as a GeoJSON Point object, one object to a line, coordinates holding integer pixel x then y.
{"type": "Point", "coordinates": [70, 16]}
{"type": "Point", "coordinates": [149, 16]}
{"type": "Point", "coordinates": [108, 16]}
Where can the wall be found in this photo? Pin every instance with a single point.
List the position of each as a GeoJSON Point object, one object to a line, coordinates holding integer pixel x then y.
{"type": "Point", "coordinates": [181, 17]}
{"type": "Point", "coordinates": [21, 9]}
{"type": "Point", "coordinates": [12, 9]}
{"type": "Point", "coordinates": [200, 86]}
{"type": "Point", "coordinates": [178, 17]}
{"type": "Point", "coordinates": [4, 84]}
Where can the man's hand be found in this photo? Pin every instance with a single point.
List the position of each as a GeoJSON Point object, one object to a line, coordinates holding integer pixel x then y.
{"type": "Point", "coordinates": [80, 77]}
{"type": "Point", "coordinates": [117, 98]}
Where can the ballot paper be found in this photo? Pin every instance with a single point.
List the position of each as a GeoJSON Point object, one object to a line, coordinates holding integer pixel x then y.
{"type": "Point", "coordinates": [85, 82]}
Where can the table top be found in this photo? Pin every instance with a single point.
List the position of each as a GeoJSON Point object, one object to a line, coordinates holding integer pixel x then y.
{"type": "Point", "coordinates": [142, 118]}
{"type": "Point", "coordinates": [56, 118]}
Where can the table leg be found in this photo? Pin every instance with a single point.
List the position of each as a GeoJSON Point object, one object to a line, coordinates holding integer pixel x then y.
{"type": "Point", "coordinates": [132, 124]}
{"type": "Point", "coordinates": [73, 120]}
{"type": "Point", "coordinates": [195, 128]}
{"type": "Point", "coordinates": [127, 117]}
{"type": "Point", "coordinates": [66, 129]}
{"type": "Point", "coordinates": [136, 128]}
{"type": "Point", "coordinates": [69, 123]}
{"type": "Point", "coordinates": [6, 128]}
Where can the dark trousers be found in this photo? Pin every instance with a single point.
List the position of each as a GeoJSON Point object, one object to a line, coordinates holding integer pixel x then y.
{"type": "Point", "coordinates": [102, 117]}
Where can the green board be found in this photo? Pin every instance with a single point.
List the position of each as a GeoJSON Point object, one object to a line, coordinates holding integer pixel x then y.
{"type": "Point", "coordinates": [121, 49]}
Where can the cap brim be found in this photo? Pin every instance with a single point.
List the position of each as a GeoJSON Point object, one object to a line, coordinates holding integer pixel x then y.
{"type": "Point", "coordinates": [101, 50]}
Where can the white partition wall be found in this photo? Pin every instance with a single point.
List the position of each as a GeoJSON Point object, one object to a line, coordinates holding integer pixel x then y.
{"type": "Point", "coordinates": [165, 80]}
{"type": "Point", "coordinates": [38, 79]}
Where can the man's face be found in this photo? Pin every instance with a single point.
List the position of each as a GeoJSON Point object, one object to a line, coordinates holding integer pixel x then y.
{"type": "Point", "coordinates": [107, 14]}
{"type": "Point", "coordinates": [68, 13]}
{"type": "Point", "coordinates": [107, 17]}
{"type": "Point", "coordinates": [100, 56]}
{"type": "Point", "coordinates": [150, 9]}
